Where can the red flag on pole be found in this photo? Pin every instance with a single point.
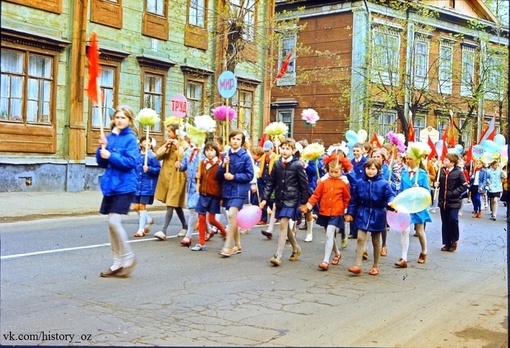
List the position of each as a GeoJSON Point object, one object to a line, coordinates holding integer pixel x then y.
{"type": "Point", "coordinates": [444, 150]}
{"type": "Point", "coordinates": [411, 134]}
{"type": "Point", "coordinates": [285, 66]}
{"type": "Point", "coordinates": [375, 141]}
{"type": "Point", "coordinates": [263, 138]}
{"type": "Point", "coordinates": [490, 131]}
{"type": "Point", "coordinates": [469, 155]}
{"type": "Point", "coordinates": [433, 151]}
{"type": "Point", "coordinates": [94, 69]}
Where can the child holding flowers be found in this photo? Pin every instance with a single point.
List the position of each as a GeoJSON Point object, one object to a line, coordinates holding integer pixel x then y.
{"type": "Point", "coordinates": [148, 171]}
{"type": "Point", "coordinates": [332, 195]}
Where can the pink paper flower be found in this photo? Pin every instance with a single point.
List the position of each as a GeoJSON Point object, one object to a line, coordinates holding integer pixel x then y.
{"type": "Point", "coordinates": [395, 140]}
{"type": "Point", "coordinates": [310, 116]}
{"type": "Point", "coordinates": [220, 113]}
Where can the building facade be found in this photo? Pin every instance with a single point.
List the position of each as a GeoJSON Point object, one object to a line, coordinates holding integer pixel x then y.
{"type": "Point", "coordinates": [381, 65]}
{"type": "Point", "coordinates": [150, 51]}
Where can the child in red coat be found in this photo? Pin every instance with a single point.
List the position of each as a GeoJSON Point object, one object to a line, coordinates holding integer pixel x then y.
{"type": "Point", "coordinates": [332, 195]}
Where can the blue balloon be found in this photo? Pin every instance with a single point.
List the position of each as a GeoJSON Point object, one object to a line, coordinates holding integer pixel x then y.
{"type": "Point", "coordinates": [351, 136]}
{"type": "Point", "coordinates": [499, 139]}
{"type": "Point", "coordinates": [490, 146]}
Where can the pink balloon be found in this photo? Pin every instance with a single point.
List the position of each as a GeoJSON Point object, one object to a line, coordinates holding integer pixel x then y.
{"type": "Point", "coordinates": [248, 217]}
{"type": "Point", "coordinates": [504, 151]}
{"type": "Point", "coordinates": [398, 220]}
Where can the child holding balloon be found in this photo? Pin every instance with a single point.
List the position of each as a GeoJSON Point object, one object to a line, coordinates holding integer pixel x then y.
{"type": "Point", "coordinates": [332, 195]}
{"type": "Point", "coordinates": [289, 182]}
{"type": "Point", "coordinates": [415, 175]}
{"type": "Point", "coordinates": [369, 200]}
{"type": "Point", "coordinates": [236, 173]}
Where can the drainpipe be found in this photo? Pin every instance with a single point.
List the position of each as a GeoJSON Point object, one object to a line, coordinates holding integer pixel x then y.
{"type": "Point", "coordinates": [481, 99]}
{"type": "Point", "coordinates": [409, 68]}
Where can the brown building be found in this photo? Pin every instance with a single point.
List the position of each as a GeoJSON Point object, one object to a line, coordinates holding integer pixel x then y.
{"type": "Point", "coordinates": [368, 65]}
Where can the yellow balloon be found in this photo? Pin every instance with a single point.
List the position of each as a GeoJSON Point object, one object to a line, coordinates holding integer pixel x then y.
{"type": "Point", "coordinates": [412, 200]}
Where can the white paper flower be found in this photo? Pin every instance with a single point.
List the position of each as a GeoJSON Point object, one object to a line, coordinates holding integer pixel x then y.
{"type": "Point", "coordinates": [147, 117]}
{"type": "Point", "coordinates": [205, 123]}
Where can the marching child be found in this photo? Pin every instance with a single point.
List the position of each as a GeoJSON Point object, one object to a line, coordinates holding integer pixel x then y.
{"type": "Point", "coordinates": [146, 185]}
{"type": "Point", "coordinates": [210, 194]}
{"type": "Point", "coordinates": [332, 195]}
{"type": "Point", "coordinates": [289, 182]}
{"type": "Point", "coordinates": [369, 200]}
{"type": "Point", "coordinates": [237, 174]}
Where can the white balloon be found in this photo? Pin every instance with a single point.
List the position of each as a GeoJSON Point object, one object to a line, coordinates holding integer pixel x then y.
{"type": "Point", "coordinates": [362, 135]}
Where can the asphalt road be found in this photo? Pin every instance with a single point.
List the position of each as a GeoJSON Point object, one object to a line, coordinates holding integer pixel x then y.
{"type": "Point", "coordinates": [51, 292]}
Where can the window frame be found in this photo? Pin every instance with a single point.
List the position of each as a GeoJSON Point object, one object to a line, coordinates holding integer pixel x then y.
{"type": "Point", "coordinates": [192, 101]}
{"type": "Point", "coordinates": [54, 6]}
{"type": "Point", "coordinates": [445, 68]}
{"type": "Point", "coordinates": [385, 60]}
{"type": "Point", "coordinates": [421, 64]}
{"type": "Point", "coordinates": [157, 130]}
{"type": "Point", "coordinates": [494, 84]}
{"type": "Point", "coordinates": [280, 118]}
{"type": "Point", "coordinates": [467, 71]}
{"type": "Point", "coordinates": [155, 25]}
{"type": "Point", "coordinates": [107, 12]}
{"type": "Point", "coordinates": [288, 43]}
{"type": "Point", "coordinates": [241, 106]}
{"type": "Point", "coordinates": [379, 125]}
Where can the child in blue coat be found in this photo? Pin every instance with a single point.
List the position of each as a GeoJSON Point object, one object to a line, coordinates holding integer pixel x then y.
{"type": "Point", "coordinates": [147, 178]}
{"type": "Point", "coordinates": [367, 207]}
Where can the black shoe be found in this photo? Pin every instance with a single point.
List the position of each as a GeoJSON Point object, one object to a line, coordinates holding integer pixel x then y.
{"type": "Point", "coordinates": [267, 234]}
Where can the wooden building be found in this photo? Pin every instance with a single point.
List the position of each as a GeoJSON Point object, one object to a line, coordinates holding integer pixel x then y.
{"type": "Point", "coordinates": [379, 65]}
{"type": "Point", "coordinates": [150, 51]}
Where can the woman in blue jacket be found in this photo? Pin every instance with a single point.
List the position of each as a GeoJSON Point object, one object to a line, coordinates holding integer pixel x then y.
{"type": "Point", "coordinates": [118, 154]}
{"type": "Point", "coordinates": [367, 207]}
{"type": "Point", "coordinates": [147, 179]}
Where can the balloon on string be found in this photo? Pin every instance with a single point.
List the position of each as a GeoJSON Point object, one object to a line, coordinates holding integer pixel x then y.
{"type": "Point", "coordinates": [504, 150]}
{"type": "Point", "coordinates": [398, 220]}
{"type": "Point", "coordinates": [362, 135]}
{"type": "Point", "coordinates": [490, 146]}
{"type": "Point", "coordinates": [248, 217]}
{"type": "Point", "coordinates": [477, 151]}
{"type": "Point", "coordinates": [412, 200]}
{"type": "Point", "coordinates": [499, 139]}
{"type": "Point", "coordinates": [351, 136]}
{"type": "Point", "coordinates": [459, 148]}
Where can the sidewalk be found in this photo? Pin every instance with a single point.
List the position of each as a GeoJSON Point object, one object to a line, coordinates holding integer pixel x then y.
{"type": "Point", "coordinates": [17, 206]}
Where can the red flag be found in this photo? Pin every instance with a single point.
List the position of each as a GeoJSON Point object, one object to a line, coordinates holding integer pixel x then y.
{"type": "Point", "coordinates": [411, 134]}
{"type": "Point", "coordinates": [469, 155]}
{"type": "Point", "coordinates": [444, 150]}
{"type": "Point", "coordinates": [433, 151]}
{"type": "Point", "coordinates": [263, 138]}
{"type": "Point", "coordinates": [490, 131]}
{"type": "Point", "coordinates": [94, 69]}
{"type": "Point", "coordinates": [285, 66]}
{"type": "Point", "coordinates": [375, 141]}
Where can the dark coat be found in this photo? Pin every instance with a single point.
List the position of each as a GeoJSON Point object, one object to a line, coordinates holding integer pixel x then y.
{"type": "Point", "coordinates": [369, 201]}
{"type": "Point", "coordinates": [451, 188]}
{"type": "Point", "coordinates": [289, 183]}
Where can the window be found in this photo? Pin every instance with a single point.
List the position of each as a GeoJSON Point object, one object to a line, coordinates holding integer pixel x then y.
{"type": "Point", "coordinates": [155, 19]}
{"type": "Point", "coordinates": [195, 94]}
{"type": "Point", "coordinates": [418, 125]}
{"type": "Point", "coordinates": [196, 15]}
{"type": "Point", "coordinates": [288, 45]}
{"type": "Point", "coordinates": [107, 82]}
{"type": "Point", "coordinates": [27, 87]}
{"type": "Point", "coordinates": [445, 68]}
{"type": "Point", "coordinates": [244, 10]}
{"type": "Point", "coordinates": [243, 102]}
{"type": "Point", "coordinates": [494, 86]}
{"type": "Point", "coordinates": [156, 7]}
{"type": "Point", "coordinates": [384, 121]}
{"type": "Point", "coordinates": [421, 64]}
{"type": "Point", "coordinates": [468, 71]}
{"type": "Point", "coordinates": [385, 58]}
{"type": "Point", "coordinates": [153, 96]}
{"type": "Point", "coordinates": [286, 116]}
